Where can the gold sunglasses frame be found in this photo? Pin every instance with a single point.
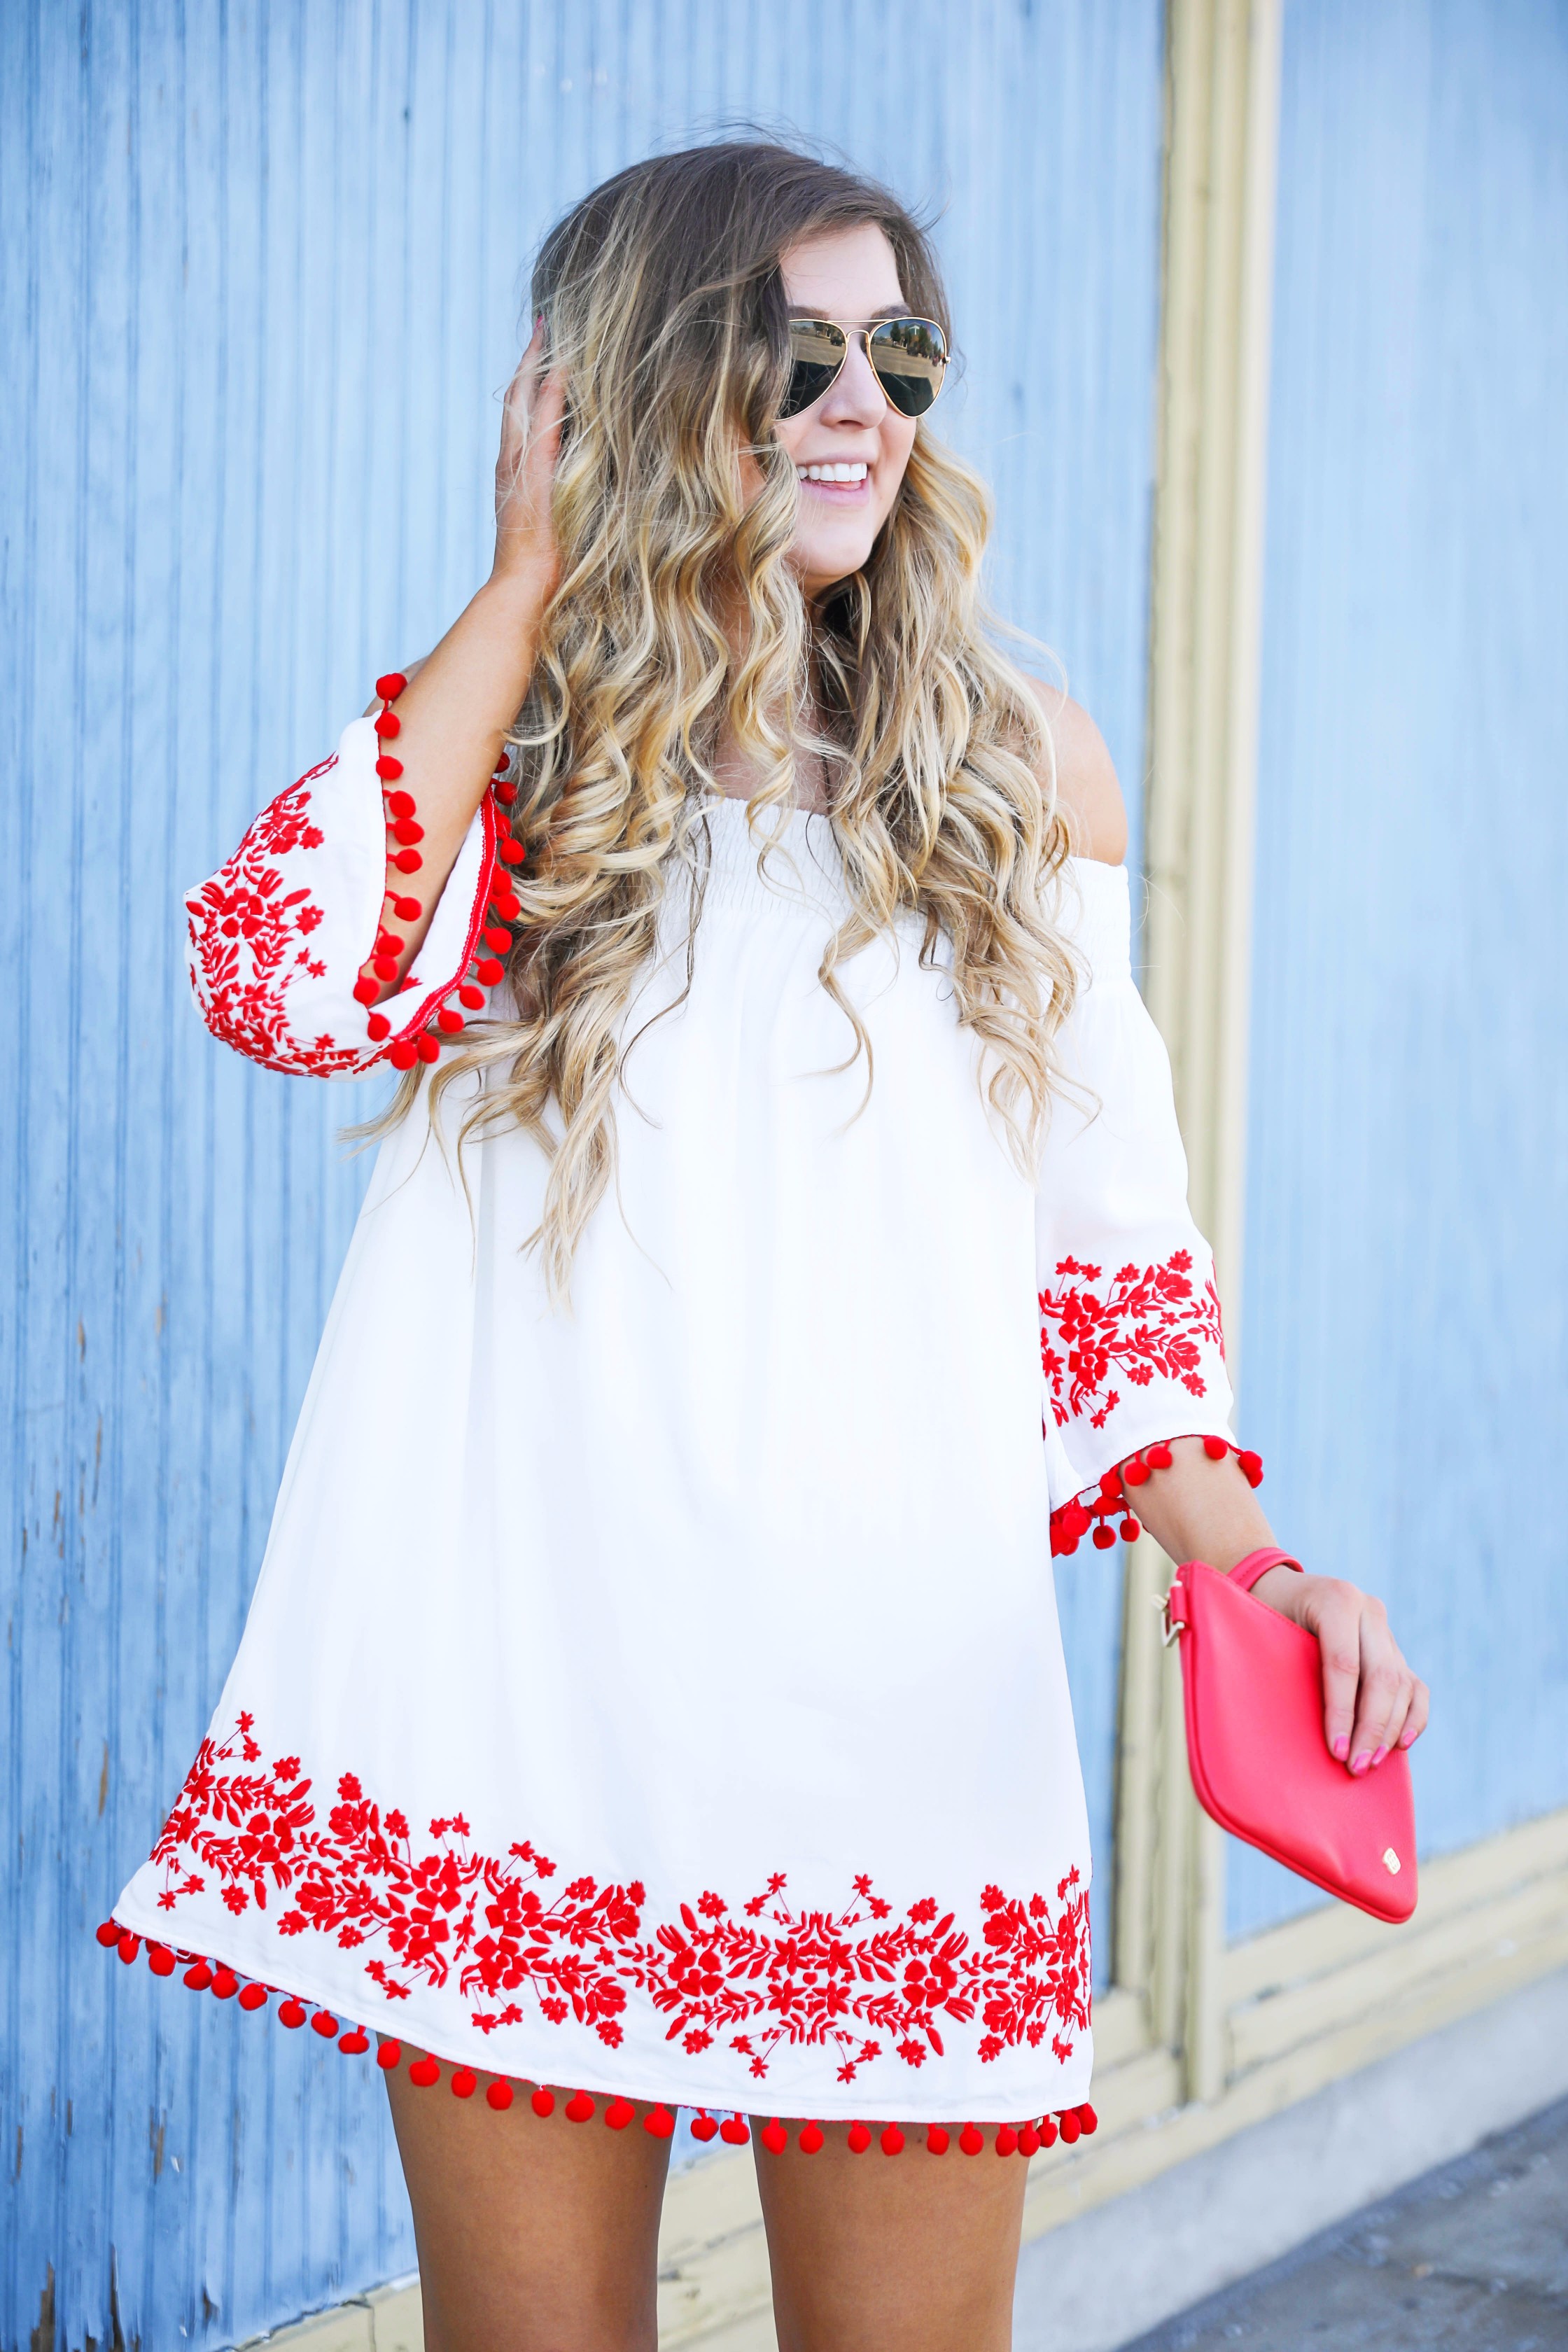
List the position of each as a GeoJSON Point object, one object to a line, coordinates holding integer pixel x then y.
{"type": "Point", "coordinates": [865, 329]}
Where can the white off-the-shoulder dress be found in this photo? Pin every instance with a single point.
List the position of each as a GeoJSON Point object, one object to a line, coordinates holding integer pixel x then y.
{"type": "Point", "coordinates": [661, 1698]}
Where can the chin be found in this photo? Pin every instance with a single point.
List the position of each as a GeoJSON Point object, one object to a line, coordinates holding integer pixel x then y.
{"type": "Point", "coordinates": [827, 556]}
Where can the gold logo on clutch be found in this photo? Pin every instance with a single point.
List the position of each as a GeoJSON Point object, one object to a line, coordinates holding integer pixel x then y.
{"type": "Point", "coordinates": [1391, 1861]}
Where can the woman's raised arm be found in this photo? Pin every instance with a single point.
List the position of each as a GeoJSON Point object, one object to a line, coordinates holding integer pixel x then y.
{"type": "Point", "coordinates": [311, 926]}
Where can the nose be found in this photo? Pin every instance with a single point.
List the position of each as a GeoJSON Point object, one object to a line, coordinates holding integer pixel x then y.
{"type": "Point", "coordinates": [855, 397]}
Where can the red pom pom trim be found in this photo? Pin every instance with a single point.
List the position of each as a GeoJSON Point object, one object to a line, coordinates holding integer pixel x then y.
{"type": "Point", "coordinates": [1106, 1510]}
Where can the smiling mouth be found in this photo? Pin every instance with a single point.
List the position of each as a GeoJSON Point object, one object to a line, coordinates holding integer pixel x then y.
{"type": "Point", "coordinates": [842, 484]}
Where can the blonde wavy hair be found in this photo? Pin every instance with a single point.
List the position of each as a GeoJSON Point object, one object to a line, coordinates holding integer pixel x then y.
{"type": "Point", "coordinates": [665, 309]}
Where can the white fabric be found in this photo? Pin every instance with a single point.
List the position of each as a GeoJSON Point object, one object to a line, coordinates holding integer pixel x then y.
{"type": "Point", "coordinates": [728, 1590]}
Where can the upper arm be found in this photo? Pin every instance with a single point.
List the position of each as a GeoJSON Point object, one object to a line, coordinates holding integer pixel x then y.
{"type": "Point", "coordinates": [1088, 794]}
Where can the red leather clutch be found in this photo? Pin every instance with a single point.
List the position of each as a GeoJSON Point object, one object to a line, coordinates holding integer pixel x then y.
{"type": "Point", "coordinates": [1253, 1686]}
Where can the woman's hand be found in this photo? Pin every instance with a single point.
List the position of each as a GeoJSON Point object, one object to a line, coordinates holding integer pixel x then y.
{"type": "Point", "coordinates": [526, 554]}
{"type": "Point", "coordinates": [1199, 1509]}
{"type": "Point", "coordinates": [1372, 1701]}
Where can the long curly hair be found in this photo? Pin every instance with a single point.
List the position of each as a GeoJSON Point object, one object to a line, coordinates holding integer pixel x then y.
{"type": "Point", "coordinates": [665, 307]}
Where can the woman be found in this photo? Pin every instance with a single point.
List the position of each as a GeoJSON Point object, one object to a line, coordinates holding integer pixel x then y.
{"type": "Point", "coordinates": [653, 1696]}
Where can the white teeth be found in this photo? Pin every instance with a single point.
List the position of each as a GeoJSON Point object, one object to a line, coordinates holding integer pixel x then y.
{"type": "Point", "coordinates": [856, 473]}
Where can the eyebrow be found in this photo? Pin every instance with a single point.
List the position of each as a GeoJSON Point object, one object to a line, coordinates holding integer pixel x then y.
{"type": "Point", "coordinates": [888, 310]}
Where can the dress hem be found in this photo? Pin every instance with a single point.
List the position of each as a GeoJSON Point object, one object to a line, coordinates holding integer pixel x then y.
{"type": "Point", "coordinates": [205, 1972]}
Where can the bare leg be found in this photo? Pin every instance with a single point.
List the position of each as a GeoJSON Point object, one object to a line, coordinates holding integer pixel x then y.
{"type": "Point", "coordinates": [912, 2252]}
{"type": "Point", "coordinates": [534, 2234]}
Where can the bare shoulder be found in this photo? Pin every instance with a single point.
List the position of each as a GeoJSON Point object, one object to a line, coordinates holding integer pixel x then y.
{"type": "Point", "coordinates": [1088, 793]}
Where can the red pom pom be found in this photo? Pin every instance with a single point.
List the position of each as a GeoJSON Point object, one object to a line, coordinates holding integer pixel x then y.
{"type": "Point", "coordinates": [465, 2082]}
{"type": "Point", "coordinates": [970, 2140]}
{"type": "Point", "coordinates": [1069, 2128]}
{"type": "Point", "coordinates": [543, 2102]}
{"type": "Point", "coordinates": [859, 2138]}
{"type": "Point", "coordinates": [253, 1996]}
{"type": "Point", "coordinates": [1250, 1464]}
{"type": "Point", "coordinates": [809, 2141]}
{"type": "Point", "coordinates": [938, 2140]}
{"type": "Point", "coordinates": [400, 804]}
{"type": "Point", "coordinates": [449, 1019]}
{"type": "Point", "coordinates": [511, 853]}
{"type": "Point", "coordinates": [291, 2013]}
{"type": "Point", "coordinates": [1129, 1531]}
{"type": "Point", "coordinates": [619, 2114]}
{"type": "Point", "coordinates": [407, 861]}
{"type": "Point", "coordinates": [1104, 1538]}
{"type": "Point", "coordinates": [774, 2137]}
{"type": "Point", "coordinates": [407, 832]}
{"type": "Point", "coordinates": [377, 1027]}
{"type": "Point", "coordinates": [703, 2126]}
{"type": "Point", "coordinates": [504, 792]}
{"type": "Point", "coordinates": [472, 997]}
{"type": "Point", "coordinates": [109, 1933]}
{"type": "Point", "coordinates": [508, 904]}
{"type": "Point", "coordinates": [892, 2141]}
{"type": "Point", "coordinates": [404, 1054]}
{"type": "Point", "coordinates": [734, 2131]}
{"type": "Point", "coordinates": [1159, 1457]}
{"type": "Point", "coordinates": [498, 939]}
{"type": "Point", "coordinates": [366, 990]}
{"type": "Point", "coordinates": [1087, 2120]}
{"type": "Point", "coordinates": [354, 2044]}
{"type": "Point", "coordinates": [498, 2096]}
{"type": "Point", "coordinates": [490, 969]}
{"type": "Point", "coordinates": [160, 1960]}
{"type": "Point", "coordinates": [389, 2054]}
{"type": "Point", "coordinates": [325, 2024]}
{"type": "Point", "coordinates": [387, 724]}
{"type": "Point", "coordinates": [1028, 2141]}
{"type": "Point", "coordinates": [430, 1049]}
{"type": "Point", "coordinates": [198, 1976]}
{"type": "Point", "coordinates": [384, 968]}
{"type": "Point", "coordinates": [225, 1984]}
{"type": "Point", "coordinates": [1216, 1448]}
{"type": "Point", "coordinates": [388, 768]}
{"type": "Point", "coordinates": [425, 2072]}
{"type": "Point", "coordinates": [660, 2124]}
{"type": "Point", "coordinates": [390, 685]}
{"type": "Point", "coordinates": [1111, 1482]}
{"type": "Point", "coordinates": [1006, 2140]}
{"type": "Point", "coordinates": [1135, 1472]}
{"type": "Point", "coordinates": [1047, 2132]}
{"type": "Point", "coordinates": [407, 910]}
{"type": "Point", "coordinates": [579, 2108]}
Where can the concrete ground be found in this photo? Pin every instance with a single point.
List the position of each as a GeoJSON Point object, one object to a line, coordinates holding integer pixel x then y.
{"type": "Point", "coordinates": [1250, 2211]}
{"type": "Point", "coordinates": [1473, 2257]}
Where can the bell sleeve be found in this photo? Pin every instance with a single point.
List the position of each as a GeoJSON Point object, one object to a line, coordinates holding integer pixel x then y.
{"type": "Point", "coordinates": [1131, 1341]}
{"type": "Point", "coordinates": [279, 933]}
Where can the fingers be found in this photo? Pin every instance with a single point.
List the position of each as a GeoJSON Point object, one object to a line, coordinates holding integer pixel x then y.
{"type": "Point", "coordinates": [1372, 1702]}
{"type": "Point", "coordinates": [1337, 1629]}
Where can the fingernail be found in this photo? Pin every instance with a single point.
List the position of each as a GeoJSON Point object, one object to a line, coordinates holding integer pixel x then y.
{"type": "Point", "coordinates": [1341, 1749]}
{"type": "Point", "coordinates": [1380, 1755]}
{"type": "Point", "coordinates": [1360, 1764]}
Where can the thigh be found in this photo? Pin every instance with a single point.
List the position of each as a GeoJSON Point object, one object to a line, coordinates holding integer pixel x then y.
{"type": "Point", "coordinates": [534, 2233]}
{"type": "Point", "coordinates": [914, 2250]}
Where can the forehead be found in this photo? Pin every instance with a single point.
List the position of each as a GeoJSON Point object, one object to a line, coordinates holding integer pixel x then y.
{"type": "Point", "coordinates": [846, 273]}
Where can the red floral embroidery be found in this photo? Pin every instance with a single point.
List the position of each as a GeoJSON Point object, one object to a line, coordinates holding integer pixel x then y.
{"type": "Point", "coordinates": [1150, 1322]}
{"type": "Point", "coordinates": [858, 1980]}
{"type": "Point", "coordinates": [251, 939]}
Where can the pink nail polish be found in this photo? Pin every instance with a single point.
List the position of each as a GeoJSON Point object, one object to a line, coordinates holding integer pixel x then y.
{"type": "Point", "coordinates": [1341, 1749]}
{"type": "Point", "coordinates": [1379, 1757]}
{"type": "Point", "coordinates": [1360, 1764]}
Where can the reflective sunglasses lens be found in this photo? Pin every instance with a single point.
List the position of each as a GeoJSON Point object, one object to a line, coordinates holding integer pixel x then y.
{"type": "Point", "coordinates": [909, 356]}
{"type": "Point", "coordinates": [817, 350]}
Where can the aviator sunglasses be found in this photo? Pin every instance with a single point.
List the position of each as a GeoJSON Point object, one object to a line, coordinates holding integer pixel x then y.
{"type": "Point", "coordinates": [909, 356]}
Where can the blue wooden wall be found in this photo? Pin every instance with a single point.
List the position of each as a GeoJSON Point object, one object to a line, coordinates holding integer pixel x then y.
{"type": "Point", "coordinates": [1406, 1347]}
{"type": "Point", "coordinates": [260, 268]}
